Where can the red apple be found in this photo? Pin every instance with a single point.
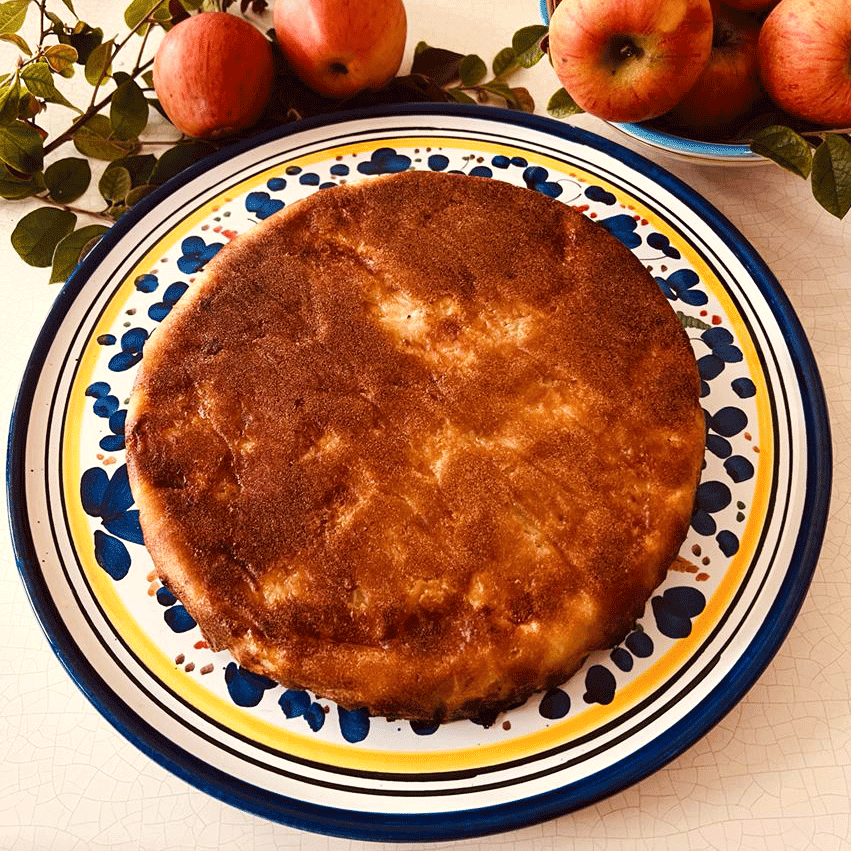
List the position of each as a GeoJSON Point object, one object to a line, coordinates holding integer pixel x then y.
{"type": "Point", "coordinates": [629, 60]}
{"type": "Point", "coordinates": [729, 87]}
{"type": "Point", "coordinates": [805, 59]}
{"type": "Point", "coordinates": [213, 74]}
{"type": "Point", "coordinates": [340, 47]}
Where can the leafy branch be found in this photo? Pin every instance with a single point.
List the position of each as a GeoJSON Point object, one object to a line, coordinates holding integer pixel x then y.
{"type": "Point", "coordinates": [48, 236]}
{"type": "Point", "coordinates": [112, 128]}
{"type": "Point", "coordinates": [465, 76]}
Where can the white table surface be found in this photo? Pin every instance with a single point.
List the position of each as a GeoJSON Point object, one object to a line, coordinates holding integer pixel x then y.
{"type": "Point", "coordinates": [774, 774]}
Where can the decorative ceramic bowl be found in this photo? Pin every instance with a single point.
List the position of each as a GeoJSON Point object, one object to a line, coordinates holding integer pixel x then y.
{"type": "Point", "coordinates": [678, 147]}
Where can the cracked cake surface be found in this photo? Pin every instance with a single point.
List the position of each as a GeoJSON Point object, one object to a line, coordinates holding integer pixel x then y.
{"type": "Point", "coordinates": [418, 444]}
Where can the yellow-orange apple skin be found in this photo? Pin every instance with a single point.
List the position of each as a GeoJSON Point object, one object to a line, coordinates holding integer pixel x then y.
{"type": "Point", "coordinates": [805, 59]}
{"type": "Point", "coordinates": [213, 74]}
{"type": "Point", "coordinates": [341, 47]}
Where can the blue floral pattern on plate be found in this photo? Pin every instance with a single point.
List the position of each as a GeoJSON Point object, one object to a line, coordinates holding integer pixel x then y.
{"type": "Point", "coordinates": [726, 483]}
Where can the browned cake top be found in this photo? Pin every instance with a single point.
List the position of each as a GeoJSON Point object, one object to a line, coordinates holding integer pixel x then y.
{"type": "Point", "coordinates": [418, 444]}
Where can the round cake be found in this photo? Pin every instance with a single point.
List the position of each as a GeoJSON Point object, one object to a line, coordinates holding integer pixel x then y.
{"type": "Point", "coordinates": [417, 444]}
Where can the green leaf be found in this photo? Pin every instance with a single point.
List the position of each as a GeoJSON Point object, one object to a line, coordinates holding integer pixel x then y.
{"type": "Point", "coordinates": [115, 183]}
{"type": "Point", "coordinates": [138, 193]}
{"type": "Point", "coordinates": [501, 90]}
{"type": "Point", "coordinates": [526, 44]}
{"type": "Point", "coordinates": [831, 178]}
{"type": "Point", "coordinates": [84, 39]}
{"type": "Point", "coordinates": [93, 140]}
{"type": "Point", "coordinates": [148, 77]}
{"type": "Point", "coordinates": [58, 25]}
{"type": "Point", "coordinates": [67, 179]}
{"type": "Point", "coordinates": [17, 41]}
{"type": "Point", "coordinates": [61, 57]}
{"type": "Point", "coordinates": [785, 147]}
{"type": "Point", "coordinates": [70, 6]}
{"type": "Point", "coordinates": [138, 10]}
{"type": "Point", "coordinates": [89, 246]}
{"type": "Point", "coordinates": [562, 105]}
{"type": "Point", "coordinates": [39, 80]}
{"type": "Point", "coordinates": [504, 61]}
{"type": "Point", "coordinates": [10, 95]}
{"type": "Point", "coordinates": [174, 160]}
{"type": "Point", "coordinates": [37, 234]}
{"type": "Point", "coordinates": [421, 46]}
{"type": "Point", "coordinates": [21, 147]}
{"type": "Point", "coordinates": [128, 111]}
{"type": "Point", "coordinates": [527, 37]}
{"type": "Point", "coordinates": [472, 70]}
{"type": "Point", "coordinates": [28, 105]}
{"type": "Point", "coordinates": [460, 96]}
{"type": "Point", "coordinates": [692, 321]}
{"type": "Point", "coordinates": [15, 190]}
{"type": "Point", "coordinates": [69, 251]}
{"type": "Point", "coordinates": [116, 211]}
{"type": "Point", "coordinates": [98, 63]}
{"type": "Point", "coordinates": [12, 15]}
{"type": "Point", "coordinates": [139, 167]}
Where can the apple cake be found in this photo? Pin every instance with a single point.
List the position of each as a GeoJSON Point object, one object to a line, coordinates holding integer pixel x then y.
{"type": "Point", "coordinates": [417, 444]}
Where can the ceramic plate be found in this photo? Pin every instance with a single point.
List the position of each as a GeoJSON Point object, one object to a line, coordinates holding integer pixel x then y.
{"type": "Point", "coordinates": [287, 755]}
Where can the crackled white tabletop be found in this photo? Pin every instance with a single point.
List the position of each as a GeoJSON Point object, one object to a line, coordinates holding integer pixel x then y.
{"type": "Point", "coordinates": [774, 773]}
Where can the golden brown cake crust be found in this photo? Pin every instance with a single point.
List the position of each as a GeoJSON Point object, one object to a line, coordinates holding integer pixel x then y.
{"type": "Point", "coordinates": [417, 444]}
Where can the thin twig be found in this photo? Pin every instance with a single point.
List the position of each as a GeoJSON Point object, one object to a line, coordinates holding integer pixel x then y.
{"type": "Point", "coordinates": [76, 210]}
{"type": "Point", "coordinates": [145, 20]}
{"type": "Point", "coordinates": [156, 142]}
{"type": "Point", "coordinates": [142, 49]}
{"type": "Point", "coordinates": [42, 31]}
{"type": "Point", "coordinates": [822, 133]}
{"type": "Point", "coordinates": [100, 79]}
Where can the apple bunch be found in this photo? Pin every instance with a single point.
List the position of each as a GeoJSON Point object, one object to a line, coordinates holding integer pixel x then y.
{"type": "Point", "coordinates": [705, 65]}
{"type": "Point", "coordinates": [214, 72]}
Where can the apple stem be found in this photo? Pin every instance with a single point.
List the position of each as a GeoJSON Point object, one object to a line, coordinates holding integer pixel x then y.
{"type": "Point", "coordinates": [721, 36]}
{"type": "Point", "coordinates": [622, 49]}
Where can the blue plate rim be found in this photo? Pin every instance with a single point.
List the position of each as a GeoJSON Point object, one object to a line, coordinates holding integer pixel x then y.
{"type": "Point", "coordinates": [498, 818]}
